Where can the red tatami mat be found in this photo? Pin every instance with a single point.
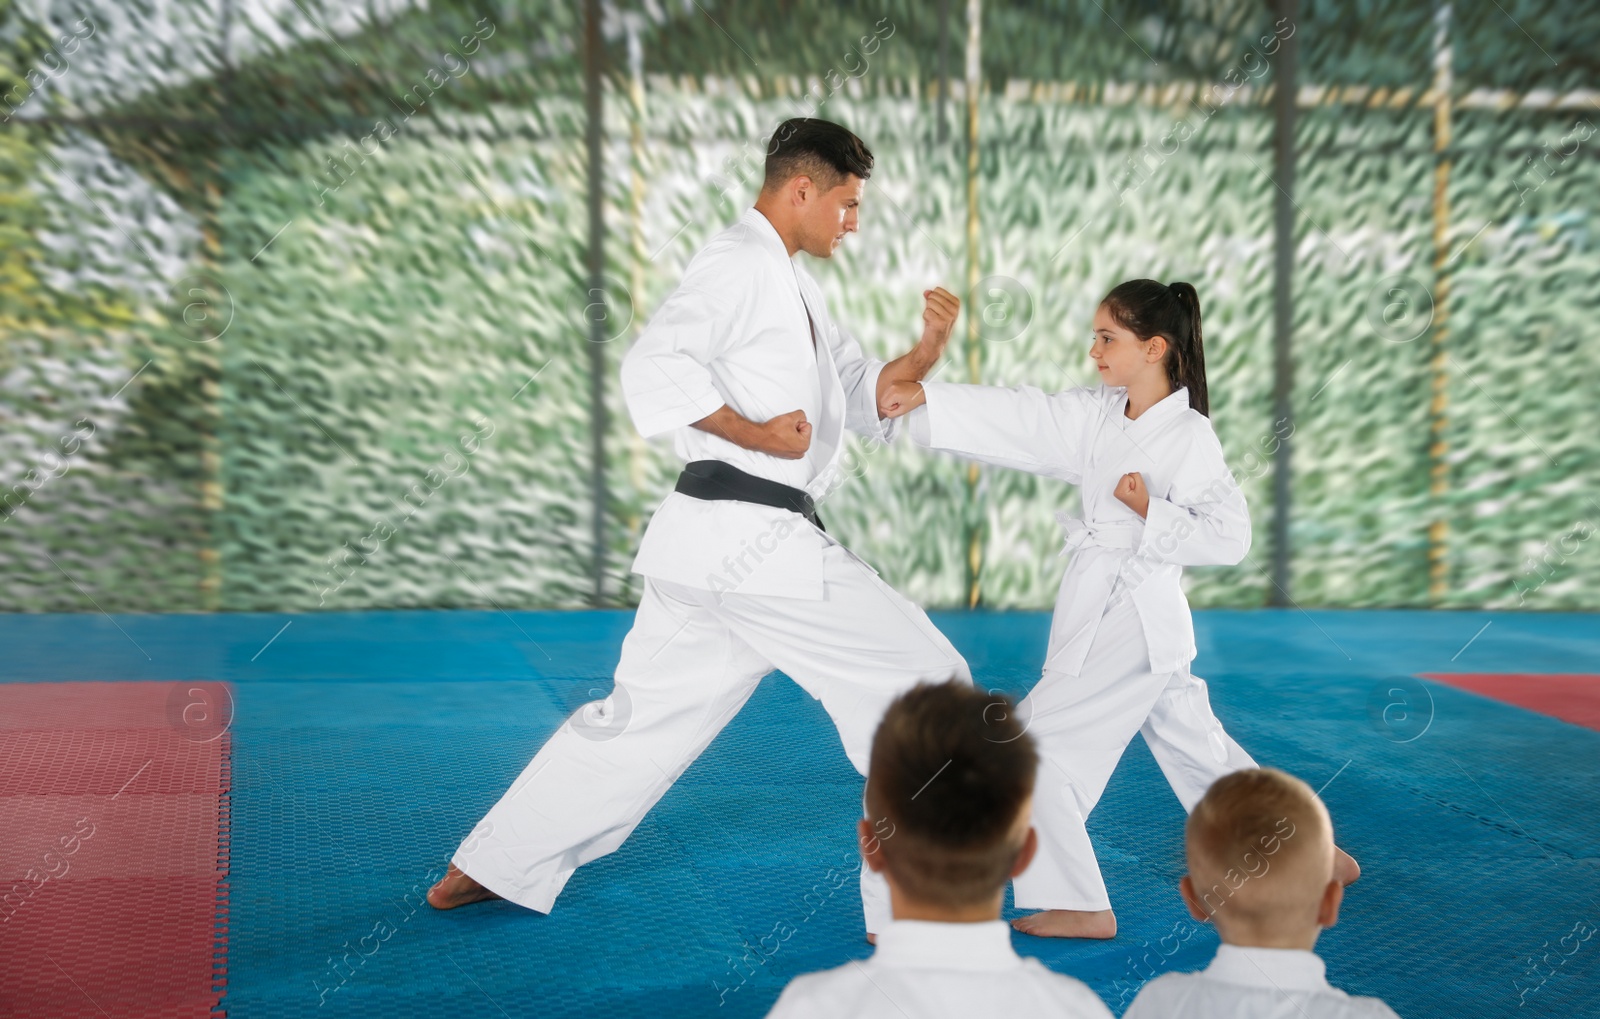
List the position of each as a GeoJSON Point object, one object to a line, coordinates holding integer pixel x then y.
{"type": "Point", "coordinates": [1571, 697]}
{"type": "Point", "coordinates": [113, 849]}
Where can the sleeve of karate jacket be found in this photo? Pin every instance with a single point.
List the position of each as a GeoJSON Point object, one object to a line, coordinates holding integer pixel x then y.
{"type": "Point", "coordinates": [859, 374]}
{"type": "Point", "coordinates": [1023, 428]}
{"type": "Point", "coordinates": [664, 376]}
{"type": "Point", "coordinates": [1203, 521]}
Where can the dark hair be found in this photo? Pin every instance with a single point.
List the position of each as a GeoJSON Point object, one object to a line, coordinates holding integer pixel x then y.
{"type": "Point", "coordinates": [1170, 310]}
{"type": "Point", "coordinates": [951, 768]}
{"type": "Point", "coordinates": [819, 149]}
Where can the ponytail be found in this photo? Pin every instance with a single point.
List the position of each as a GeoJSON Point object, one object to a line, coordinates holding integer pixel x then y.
{"type": "Point", "coordinates": [1172, 311]}
{"type": "Point", "coordinates": [1187, 364]}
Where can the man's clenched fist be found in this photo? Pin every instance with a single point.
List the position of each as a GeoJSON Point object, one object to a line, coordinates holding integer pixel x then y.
{"type": "Point", "coordinates": [788, 435]}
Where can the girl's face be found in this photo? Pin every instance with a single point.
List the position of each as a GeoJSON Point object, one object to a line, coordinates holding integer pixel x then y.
{"type": "Point", "coordinates": [1120, 355]}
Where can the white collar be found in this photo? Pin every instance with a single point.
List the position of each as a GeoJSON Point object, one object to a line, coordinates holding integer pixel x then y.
{"type": "Point", "coordinates": [765, 232]}
{"type": "Point", "coordinates": [1286, 969]}
{"type": "Point", "coordinates": [931, 944]}
{"type": "Point", "coordinates": [1174, 402]}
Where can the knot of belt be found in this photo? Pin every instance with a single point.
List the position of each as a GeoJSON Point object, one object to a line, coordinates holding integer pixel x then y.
{"type": "Point", "coordinates": [1079, 532]}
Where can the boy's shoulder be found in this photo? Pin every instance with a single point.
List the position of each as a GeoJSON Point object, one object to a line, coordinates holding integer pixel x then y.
{"type": "Point", "coordinates": [1069, 990]}
{"type": "Point", "coordinates": [850, 990]}
{"type": "Point", "coordinates": [812, 993]}
{"type": "Point", "coordinates": [847, 990]}
{"type": "Point", "coordinates": [1158, 990]}
{"type": "Point", "coordinates": [1159, 995]}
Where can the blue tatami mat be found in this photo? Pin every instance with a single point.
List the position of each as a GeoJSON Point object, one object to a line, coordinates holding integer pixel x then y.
{"type": "Point", "coordinates": [367, 744]}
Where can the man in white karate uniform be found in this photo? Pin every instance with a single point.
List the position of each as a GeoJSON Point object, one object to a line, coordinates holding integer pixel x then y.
{"type": "Point", "coordinates": [1261, 868]}
{"type": "Point", "coordinates": [745, 368]}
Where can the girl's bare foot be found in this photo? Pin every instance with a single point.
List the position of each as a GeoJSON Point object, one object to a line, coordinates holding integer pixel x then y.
{"type": "Point", "coordinates": [872, 939]}
{"type": "Point", "coordinates": [1345, 868]}
{"type": "Point", "coordinates": [1069, 923]}
{"type": "Point", "coordinates": [456, 889]}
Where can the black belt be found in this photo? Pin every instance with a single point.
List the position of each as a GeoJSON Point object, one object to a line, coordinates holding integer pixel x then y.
{"type": "Point", "coordinates": [715, 480]}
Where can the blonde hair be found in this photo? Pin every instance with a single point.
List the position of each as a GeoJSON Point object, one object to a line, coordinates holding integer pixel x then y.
{"type": "Point", "coordinates": [1260, 847]}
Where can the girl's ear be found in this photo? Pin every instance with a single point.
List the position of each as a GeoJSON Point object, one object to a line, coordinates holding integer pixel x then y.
{"type": "Point", "coordinates": [1157, 349]}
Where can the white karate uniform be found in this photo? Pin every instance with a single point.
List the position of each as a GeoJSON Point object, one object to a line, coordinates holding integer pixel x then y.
{"type": "Point", "coordinates": [732, 590]}
{"type": "Point", "coordinates": [1122, 638]}
{"type": "Point", "coordinates": [1253, 983]}
{"type": "Point", "coordinates": [927, 970]}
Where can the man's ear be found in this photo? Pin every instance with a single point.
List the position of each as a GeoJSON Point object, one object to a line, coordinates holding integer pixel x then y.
{"type": "Point", "coordinates": [1030, 846]}
{"type": "Point", "coordinates": [871, 848]}
{"type": "Point", "coordinates": [801, 189]}
{"type": "Point", "coordinates": [1190, 899]}
{"type": "Point", "coordinates": [1328, 908]}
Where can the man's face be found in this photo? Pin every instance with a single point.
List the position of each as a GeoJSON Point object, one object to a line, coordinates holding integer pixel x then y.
{"type": "Point", "coordinates": [830, 215]}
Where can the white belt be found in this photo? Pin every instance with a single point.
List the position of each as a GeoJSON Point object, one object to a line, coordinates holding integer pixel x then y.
{"type": "Point", "coordinates": [1079, 532]}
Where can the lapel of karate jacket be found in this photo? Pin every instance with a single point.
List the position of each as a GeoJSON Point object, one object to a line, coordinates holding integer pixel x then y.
{"type": "Point", "coordinates": [827, 435]}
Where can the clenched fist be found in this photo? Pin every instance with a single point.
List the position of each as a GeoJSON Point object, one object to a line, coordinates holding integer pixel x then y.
{"type": "Point", "coordinates": [1131, 493]}
{"type": "Point", "coordinates": [901, 398]}
{"type": "Point", "coordinates": [787, 435]}
{"type": "Point", "coordinates": [939, 310]}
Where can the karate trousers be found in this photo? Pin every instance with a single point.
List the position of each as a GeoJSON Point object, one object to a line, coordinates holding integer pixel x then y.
{"type": "Point", "coordinates": [1082, 724]}
{"type": "Point", "coordinates": [691, 660]}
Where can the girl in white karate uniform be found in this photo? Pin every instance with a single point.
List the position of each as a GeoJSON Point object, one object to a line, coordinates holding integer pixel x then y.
{"type": "Point", "coordinates": [1157, 496]}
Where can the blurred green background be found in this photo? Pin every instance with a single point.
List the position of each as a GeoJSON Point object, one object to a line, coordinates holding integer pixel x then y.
{"type": "Point", "coordinates": [247, 329]}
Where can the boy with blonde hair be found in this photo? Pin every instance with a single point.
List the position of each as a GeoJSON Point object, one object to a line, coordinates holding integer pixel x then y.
{"type": "Point", "coordinates": [949, 802]}
{"type": "Point", "coordinates": [1261, 867]}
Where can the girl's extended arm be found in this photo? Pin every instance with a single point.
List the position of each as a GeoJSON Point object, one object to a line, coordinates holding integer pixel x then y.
{"type": "Point", "coordinates": [1023, 428]}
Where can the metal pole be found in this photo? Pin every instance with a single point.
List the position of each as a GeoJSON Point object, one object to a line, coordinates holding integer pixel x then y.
{"type": "Point", "coordinates": [593, 55]}
{"type": "Point", "coordinates": [1285, 89]}
{"type": "Point", "coordinates": [1438, 467]}
{"type": "Point", "coordinates": [944, 66]}
{"type": "Point", "coordinates": [974, 358]}
{"type": "Point", "coordinates": [212, 493]}
{"type": "Point", "coordinates": [639, 254]}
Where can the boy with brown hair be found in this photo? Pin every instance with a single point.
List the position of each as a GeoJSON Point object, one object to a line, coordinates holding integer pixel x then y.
{"type": "Point", "coordinates": [949, 802]}
{"type": "Point", "coordinates": [1261, 867]}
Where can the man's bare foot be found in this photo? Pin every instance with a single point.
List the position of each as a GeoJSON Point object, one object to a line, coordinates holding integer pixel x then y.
{"type": "Point", "coordinates": [872, 939]}
{"type": "Point", "coordinates": [1069, 923]}
{"type": "Point", "coordinates": [456, 889]}
{"type": "Point", "coordinates": [1345, 868]}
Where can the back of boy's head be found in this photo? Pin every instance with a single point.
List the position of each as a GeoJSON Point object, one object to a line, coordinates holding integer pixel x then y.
{"type": "Point", "coordinates": [1260, 850]}
{"type": "Point", "coordinates": [952, 772]}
